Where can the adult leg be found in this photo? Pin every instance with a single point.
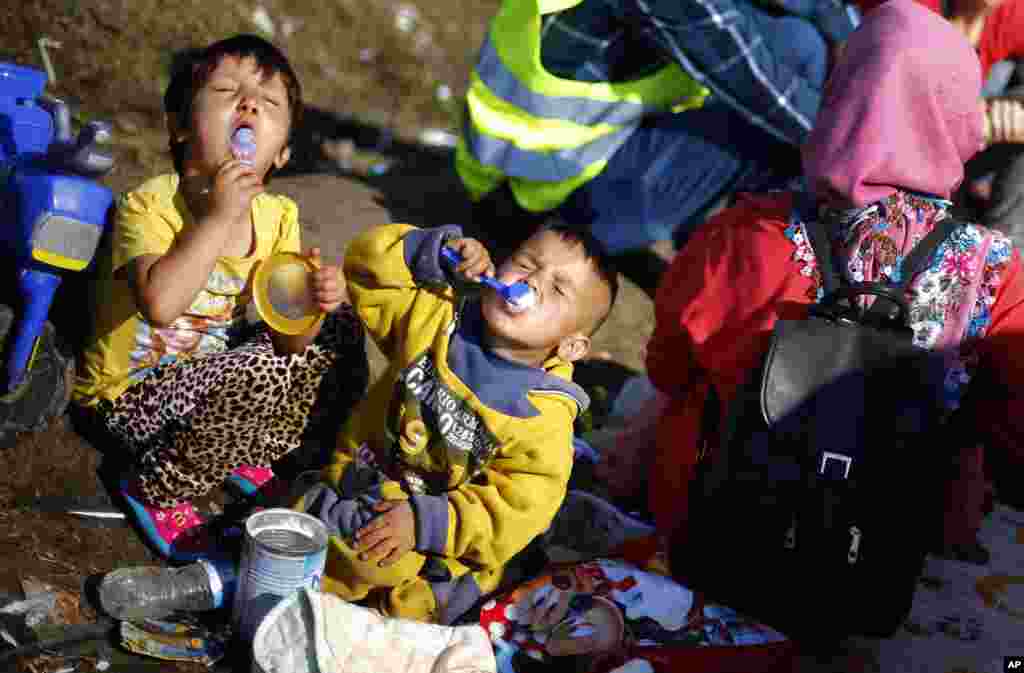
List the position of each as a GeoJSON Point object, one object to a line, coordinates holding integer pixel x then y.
{"type": "Point", "coordinates": [671, 167]}
{"type": "Point", "coordinates": [796, 42]}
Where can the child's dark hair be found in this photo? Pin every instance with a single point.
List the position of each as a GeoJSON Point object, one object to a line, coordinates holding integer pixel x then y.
{"type": "Point", "coordinates": [191, 68]}
{"type": "Point", "coordinates": [593, 250]}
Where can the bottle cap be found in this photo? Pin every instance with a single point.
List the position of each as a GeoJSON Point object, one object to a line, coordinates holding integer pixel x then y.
{"type": "Point", "coordinates": [216, 584]}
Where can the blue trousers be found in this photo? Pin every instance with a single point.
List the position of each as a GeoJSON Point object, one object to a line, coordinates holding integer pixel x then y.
{"type": "Point", "coordinates": [661, 182]}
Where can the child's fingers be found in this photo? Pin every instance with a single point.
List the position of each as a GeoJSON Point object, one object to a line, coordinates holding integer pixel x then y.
{"type": "Point", "coordinates": [313, 255]}
{"type": "Point", "coordinates": [462, 245]}
{"type": "Point", "coordinates": [327, 288]}
{"type": "Point", "coordinates": [467, 273]}
{"type": "Point", "coordinates": [366, 537]}
{"type": "Point", "coordinates": [374, 525]}
{"type": "Point", "coordinates": [471, 250]}
{"type": "Point", "coordinates": [477, 268]}
{"type": "Point", "coordinates": [232, 169]}
{"type": "Point", "coordinates": [378, 549]}
{"type": "Point", "coordinates": [393, 556]}
{"type": "Point", "coordinates": [239, 179]}
{"type": "Point", "coordinates": [329, 306]}
{"type": "Point", "coordinates": [327, 299]}
{"type": "Point", "coordinates": [326, 284]}
{"type": "Point", "coordinates": [381, 522]}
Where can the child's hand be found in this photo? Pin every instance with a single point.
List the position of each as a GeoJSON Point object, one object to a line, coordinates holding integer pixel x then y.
{"type": "Point", "coordinates": [234, 188]}
{"type": "Point", "coordinates": [329, 289]}
{"type": "Point", "coordinates": [621, 466]}
{"type": "Point", "coordinates": [390, 535]}
{"type": "Point", "coordinates": [1005, 121]}
{"type": "Point", "coordinates": [476, 261]}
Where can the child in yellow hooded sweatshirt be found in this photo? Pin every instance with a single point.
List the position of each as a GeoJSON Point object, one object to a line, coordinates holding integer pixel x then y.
{"type": "Point", "coordinates": [460, 455]}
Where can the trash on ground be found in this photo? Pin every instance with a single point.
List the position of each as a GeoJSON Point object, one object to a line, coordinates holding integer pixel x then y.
{"type": "Point", "coordinates": [263, 22]}
{"type": "Point", "coordinates": [438, 138]}
{"type": "Point", "coordinates": [182, 640]}
{"type": "Point", "coordinates": [350, 159]}
{"type": "Point", "coordinates": [155, 592]}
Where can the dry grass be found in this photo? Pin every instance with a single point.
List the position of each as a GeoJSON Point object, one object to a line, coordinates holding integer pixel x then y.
{"type": "Point", "coordinates": [53, 548]}
{"type": "Point", "coordinates": [350, 54]}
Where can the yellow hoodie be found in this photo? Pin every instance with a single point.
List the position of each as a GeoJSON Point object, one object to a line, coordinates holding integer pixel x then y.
{"type": "Point", "coordinates": [482, 446]}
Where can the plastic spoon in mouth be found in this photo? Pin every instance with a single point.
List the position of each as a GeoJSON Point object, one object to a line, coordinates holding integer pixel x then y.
{"type": "Point", "coordinates": [243, 145]}
{"type": "Point", "coordinates": [519, 296]}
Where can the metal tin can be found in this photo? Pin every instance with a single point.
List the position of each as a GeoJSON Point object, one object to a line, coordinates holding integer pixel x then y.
{"type": "Point", "coordinates": [283, 551]}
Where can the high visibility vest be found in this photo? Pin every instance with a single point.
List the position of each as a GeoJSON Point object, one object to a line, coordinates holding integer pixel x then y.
{"type": "Point", "coordinates": [545, 134]}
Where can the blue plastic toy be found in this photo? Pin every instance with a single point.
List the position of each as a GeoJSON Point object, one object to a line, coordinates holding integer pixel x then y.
{"type": "Point", "coordinates": [519, 296]}
{"type": "Point", "coordinates": [53, 213]}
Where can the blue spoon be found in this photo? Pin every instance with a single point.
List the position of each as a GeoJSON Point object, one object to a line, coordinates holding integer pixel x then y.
{"type": "Point", "coordinates": [243, 145]}
{"type": "Point", "coordinates": [519, 296]}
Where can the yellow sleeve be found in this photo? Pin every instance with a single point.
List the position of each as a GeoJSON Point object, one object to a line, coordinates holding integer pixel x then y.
{"type": "Point", "coordinates": [386, 268]}
{"type": "Point", "coordinates": [493, 518]}
{"type": "Point", "coordinates": [289, 238]}
{"type": "Point", "coordinates": [335, 470]}
{"type": "Point", "coordinates": [141, 227]}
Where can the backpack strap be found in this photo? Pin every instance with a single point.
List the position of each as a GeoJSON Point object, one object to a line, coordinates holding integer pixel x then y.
{"type": "Point", "coordinates": [921, 255]}
{"type": "Point", "coordinates": [817, 236]}
{"type": "Point", "coordinates": [916, 261]}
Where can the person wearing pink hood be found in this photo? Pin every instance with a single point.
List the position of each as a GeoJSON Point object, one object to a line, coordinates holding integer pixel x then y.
{"type": "Point", "coordinates": [900, 117]}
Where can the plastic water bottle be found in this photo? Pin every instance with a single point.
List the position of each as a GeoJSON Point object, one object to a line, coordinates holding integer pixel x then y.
{"type": "Point", "coordinates": [152, 592]}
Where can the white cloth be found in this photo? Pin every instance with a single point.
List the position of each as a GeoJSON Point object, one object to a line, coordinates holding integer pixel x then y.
{"type": "Point", "coordinates": [313, 632]}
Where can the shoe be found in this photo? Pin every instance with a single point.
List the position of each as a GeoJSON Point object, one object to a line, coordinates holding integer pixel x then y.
{"type": "Point", "coordinates": [587, 525]}
{"type": "Point", "coordinates": [258, 486]}
{"type": "Point", "coordinates": [177, 533]}
{"type": "Point", "coordinates": [250, 479]}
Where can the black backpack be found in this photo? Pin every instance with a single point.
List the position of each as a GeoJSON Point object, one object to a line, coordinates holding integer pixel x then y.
{"type": "Point", "coordinates": [814, 512]}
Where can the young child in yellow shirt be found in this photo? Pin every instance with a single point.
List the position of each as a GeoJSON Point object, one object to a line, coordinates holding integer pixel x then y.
{"type": "Point", "coordinates": [168, 371]}
{"type": "Point", "coordinates": [460, 455]}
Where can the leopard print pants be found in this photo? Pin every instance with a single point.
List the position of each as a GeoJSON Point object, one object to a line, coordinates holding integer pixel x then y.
{"type": "Point", "coordinates": [191, 423]}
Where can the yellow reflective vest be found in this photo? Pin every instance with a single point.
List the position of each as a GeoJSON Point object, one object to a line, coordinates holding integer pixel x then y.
{"type": "Point", "coordinates": [547, 135]}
